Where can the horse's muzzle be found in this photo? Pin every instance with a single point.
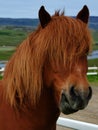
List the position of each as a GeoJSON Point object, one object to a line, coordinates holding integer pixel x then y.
{"type": "Point", "coordinates": [74, 100]}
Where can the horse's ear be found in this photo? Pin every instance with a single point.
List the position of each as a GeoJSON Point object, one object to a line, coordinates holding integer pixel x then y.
{"type": "Point", "coordinates": [44, 17]}
{"type": "Point", "coordinates": [83, 14]}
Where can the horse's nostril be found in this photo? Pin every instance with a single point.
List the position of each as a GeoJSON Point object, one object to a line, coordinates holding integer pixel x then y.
{"type": "Point", "coordinates": [90, 93]}
{"type": "Point", "coordinates": [73, 92]}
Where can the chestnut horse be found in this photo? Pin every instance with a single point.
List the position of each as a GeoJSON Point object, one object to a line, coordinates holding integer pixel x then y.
{"type": "Point", "coordinates": [47, 74]}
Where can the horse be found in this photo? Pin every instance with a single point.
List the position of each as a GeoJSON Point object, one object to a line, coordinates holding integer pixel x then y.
{"type": "Point", "coordinates": [47, 73]}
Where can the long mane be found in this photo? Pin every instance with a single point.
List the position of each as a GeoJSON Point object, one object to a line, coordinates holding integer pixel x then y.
{"type": "Point", "coordinates": [61, 40]}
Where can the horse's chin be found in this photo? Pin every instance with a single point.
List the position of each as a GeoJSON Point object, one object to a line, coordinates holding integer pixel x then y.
{"type": "Point", "coordinates": [65, 108]}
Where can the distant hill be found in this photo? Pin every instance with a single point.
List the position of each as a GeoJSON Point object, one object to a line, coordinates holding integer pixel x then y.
{"type": "Point", "coordinates": [93, 22]}
{"type": "Point", "coordinates": [18, 22]}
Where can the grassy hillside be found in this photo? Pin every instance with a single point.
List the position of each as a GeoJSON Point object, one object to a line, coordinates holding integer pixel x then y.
{"type": "Point", "coordinates": [95, 35]}
{"type": "Point", "coordinates": [12, 36]}
{"type": "Point", "coordinates": [6, 52]}
{"type": "Point", "coordinates": [93, 62]}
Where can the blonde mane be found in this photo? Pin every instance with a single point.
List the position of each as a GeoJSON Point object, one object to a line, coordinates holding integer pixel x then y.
{"type": "Point", "coordinates": [61, 40]}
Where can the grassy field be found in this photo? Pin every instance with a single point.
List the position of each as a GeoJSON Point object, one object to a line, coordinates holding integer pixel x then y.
{"type": "Point", "coordinates": [6, 52]}
{"type": "Point", "coordinates": [95, 35]}
{"type": "Point", "coordinates": [93, 62]}
{"type": "Point", "coordinates": [12, 36]}
{"type": "Point", "coordinates": [5, 55]}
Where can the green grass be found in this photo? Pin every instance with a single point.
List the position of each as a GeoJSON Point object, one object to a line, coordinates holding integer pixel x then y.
{"type": "Point", "coordinates": [95, 47]}
{"type": "Point", "coordinates": [95, 39]}
{"type": "Point", "coordinates": [0, 77]}
{"type": "Point", "coordinates": [5, 55]}
{"type": "Point", "coordinates": [6, 52]}
{"type": "Point", "coordinates": [12, 36]}
{"type": "Point", "coordinates": [93, 78]}
{"type": "Point", "coordinates": [7, 48]}
{"type": "Point", "coordinates": [93, 62]}
{"type": "Point", "coordinates": [95, 35]}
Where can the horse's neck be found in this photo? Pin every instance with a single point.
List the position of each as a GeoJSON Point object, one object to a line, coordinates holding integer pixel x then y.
{"type": "Point", "coordinates": [47, 110]}
{"type": "Point", "coordinates": [47, 106]}
{"type": "Point", "coordinates": [43, 116]}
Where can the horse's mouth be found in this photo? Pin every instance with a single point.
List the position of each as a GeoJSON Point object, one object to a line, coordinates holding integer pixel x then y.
{"type": "Point", "coordinates": [74, 101]}
{"type": "Point", "coordinates": [65, 106]}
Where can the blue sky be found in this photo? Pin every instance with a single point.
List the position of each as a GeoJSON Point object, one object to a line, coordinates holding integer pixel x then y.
{"type": "Point", "coordinates": [29, 8]}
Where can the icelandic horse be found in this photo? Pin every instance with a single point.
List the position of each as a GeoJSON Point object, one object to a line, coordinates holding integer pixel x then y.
{"type": "Point", "coordinates": [47, 73]}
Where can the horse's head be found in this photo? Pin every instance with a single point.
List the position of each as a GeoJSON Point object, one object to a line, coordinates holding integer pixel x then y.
{"type": "Point", "coordinates": [65, 67]}
{"type": "Point", "coordinates": [54, 56]}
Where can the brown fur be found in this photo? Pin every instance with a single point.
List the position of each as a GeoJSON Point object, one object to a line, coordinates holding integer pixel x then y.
{"type": "Point", "coordinates": [60, 41]}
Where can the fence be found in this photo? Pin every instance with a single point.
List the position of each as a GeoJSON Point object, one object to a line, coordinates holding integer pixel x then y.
{"type": "Point", "coordinates": [77, 125]}
{"type": "Point", "coordinates": [2, 69]}
{"type": "Point", "coordinates": [92, 71]}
